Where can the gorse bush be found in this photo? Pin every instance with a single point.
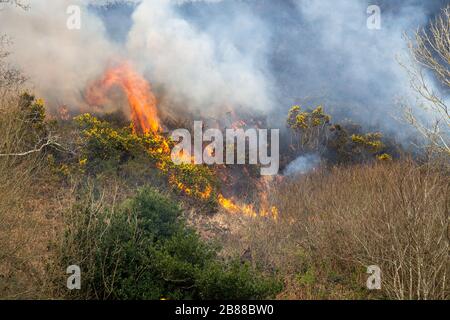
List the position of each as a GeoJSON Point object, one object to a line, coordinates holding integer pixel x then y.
{"type": "Point", "coordinates": [144, 250]}
{"type": "Point", "coordinates": [107, 148]}
{"type": "Point", "coordinates": [344, 143]}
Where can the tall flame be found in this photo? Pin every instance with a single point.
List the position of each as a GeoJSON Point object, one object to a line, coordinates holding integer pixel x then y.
{"type": "Point", "coordinates": [143, 105]}
{"type": "Point", "coordinates": [142, 102]}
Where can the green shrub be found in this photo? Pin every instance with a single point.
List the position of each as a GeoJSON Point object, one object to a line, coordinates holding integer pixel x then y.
{"type": "Point", "coordinates": [236, 281]}
{"type": "Point", "coordinates": [143, 250]}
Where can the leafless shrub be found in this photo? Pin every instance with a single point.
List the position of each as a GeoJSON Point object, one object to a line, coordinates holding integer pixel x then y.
{"type": "Point", "coordinates": [17, 224]}
{"type": "Point", "coordinates": [25, 223]}
{"type": "Point", "coordinates": [334, 223]}
{"type": "Point", "coordinates": [430, 54]}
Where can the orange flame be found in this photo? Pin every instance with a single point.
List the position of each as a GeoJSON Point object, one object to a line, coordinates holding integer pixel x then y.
{"type": "Point", "coordinates": [247, 209]}
{"type": "Point", "coordinates": [202, 194]}
{"type": "Point", "coordinates": [143, 105]}
{"type": "Point", "coordinates": [141, 100]}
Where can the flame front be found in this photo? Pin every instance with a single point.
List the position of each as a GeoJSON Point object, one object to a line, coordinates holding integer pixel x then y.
{"type": "Point", "coordinates": [143, 107]}
{"type": "Point", "coordinates": [142, 101]}
{"type": "Point", "coordinates": [247, 209]}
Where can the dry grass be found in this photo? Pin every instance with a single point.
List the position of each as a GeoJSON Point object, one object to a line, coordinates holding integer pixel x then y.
{"type": "Point", "coordinates": [334, 223]}
{"type": "Point", "coordinates": [26, 221]}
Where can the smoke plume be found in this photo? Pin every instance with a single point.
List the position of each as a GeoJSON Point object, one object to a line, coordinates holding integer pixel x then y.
{"type": "Point", "coordinates": [302, 164]}
{"type": "Point", "coordinates": [211, 56]}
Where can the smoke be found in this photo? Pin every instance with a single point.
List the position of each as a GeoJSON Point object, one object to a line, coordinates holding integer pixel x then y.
{"type": "Point", "coordinates": [200, 68]}
{"type": "Point", "coordinates": [302, 165]}
{"type": "Point", "coordinates": [340, 63]}
{"type": "Point", "coordinates": [210, 56]}
{"type": "Point", "coordinates": [58, 61]}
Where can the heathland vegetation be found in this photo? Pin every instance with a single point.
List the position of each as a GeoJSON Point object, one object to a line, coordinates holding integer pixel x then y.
{"type": "Point", "coordinates": [93, 191]}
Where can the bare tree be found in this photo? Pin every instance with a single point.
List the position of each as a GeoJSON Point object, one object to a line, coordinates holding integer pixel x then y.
{"type": "Point", "coordinates": [430, 54]}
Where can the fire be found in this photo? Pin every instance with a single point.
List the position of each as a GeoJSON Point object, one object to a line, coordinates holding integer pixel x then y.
{"type": "Point", "coordinates": [227, 204]}
{"type": "Point", "coordinates": [204, 194]}
{"type": "Point", "coordinates": [142, 101]}
{"type": "Point", "coordinates": [143, 107]}
{"type": "Point", "coordinates": [207, 193]}
{"type": "Point", "coordinates": [183, 157]}
{"type": "Point", "coordinates": [247, 209]}
{"type": "Point", "coordinates": [239, 124]}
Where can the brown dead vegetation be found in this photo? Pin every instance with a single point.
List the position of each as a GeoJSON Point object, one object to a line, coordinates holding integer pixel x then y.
{"type": "Point", "coordinates": [334, 223]}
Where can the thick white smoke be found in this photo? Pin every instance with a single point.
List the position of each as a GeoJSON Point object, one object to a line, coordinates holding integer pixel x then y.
{"type": "Point", "coordinates": [208, 56]}
{"type": "Point", "coordinates": [58, 61]}
{"type": "Point", "coordinates": [199, 69]}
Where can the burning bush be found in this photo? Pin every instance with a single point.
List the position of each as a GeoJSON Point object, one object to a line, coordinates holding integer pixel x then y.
{"type": "Point", "coordinates": [103, 145]}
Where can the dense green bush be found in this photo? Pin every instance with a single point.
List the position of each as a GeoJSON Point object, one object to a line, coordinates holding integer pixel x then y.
{"type": "Point", "coordinates": [143, 250]}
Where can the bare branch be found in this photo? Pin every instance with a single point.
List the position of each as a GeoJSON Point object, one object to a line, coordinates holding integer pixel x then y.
{"type": "Point", "coordinates": [50, 141]}
{"type": "Point", "coordinates": [430, 52]}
